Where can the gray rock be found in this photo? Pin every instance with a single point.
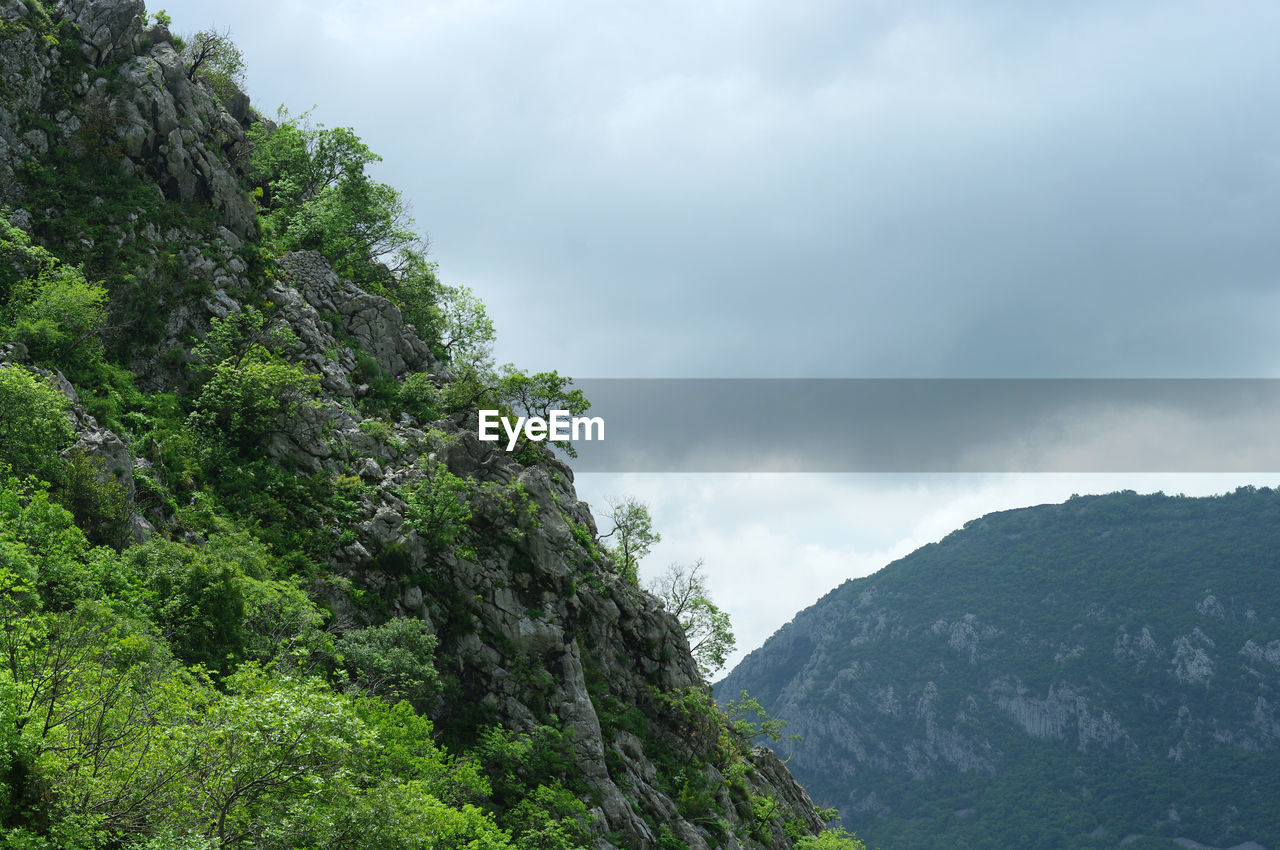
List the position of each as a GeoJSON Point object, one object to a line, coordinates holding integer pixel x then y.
{"type": "Point", "coordinates": [373, 321]}
{"type": "Point", "coordinates": [109, 452]}
{"type": "Point", "coordinates": [107, 28]}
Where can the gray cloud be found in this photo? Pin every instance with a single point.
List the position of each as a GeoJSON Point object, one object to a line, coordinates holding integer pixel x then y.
{"type": "Point", "coordinates": [821, 189]}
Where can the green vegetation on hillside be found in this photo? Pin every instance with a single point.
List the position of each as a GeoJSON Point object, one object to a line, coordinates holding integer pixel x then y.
{"type": "Point", "coordinates": [203, 644]}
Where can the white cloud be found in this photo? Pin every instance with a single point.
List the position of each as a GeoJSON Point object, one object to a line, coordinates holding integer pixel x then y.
{"type": "Point", "coordinates": [774, 543]}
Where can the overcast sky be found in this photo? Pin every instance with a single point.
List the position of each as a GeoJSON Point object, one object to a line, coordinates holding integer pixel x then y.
{"type": "Point", "coordinates": [820, 189]}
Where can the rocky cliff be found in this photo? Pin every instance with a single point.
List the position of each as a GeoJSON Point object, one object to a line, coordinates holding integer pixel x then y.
{"type": "Point", "coordinates": [1079, 674]}
{"type": "Point", "coordinates": [118, 160]}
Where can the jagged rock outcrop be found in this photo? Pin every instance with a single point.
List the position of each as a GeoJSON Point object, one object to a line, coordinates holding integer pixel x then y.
{"type": "Point", "coordinates": [105, 30]}
{"type": "Point", "coordinates": [1114, 647]}
{"type": "Point", "coordinates": [543, 621]}
{"type": "Point", "coordinates": [88, 82]}
{"type": "Point", "coordinates": [132, 87]}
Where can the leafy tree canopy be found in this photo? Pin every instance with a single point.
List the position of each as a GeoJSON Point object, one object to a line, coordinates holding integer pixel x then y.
{"type": "Point", "coordinates": [34, 426]}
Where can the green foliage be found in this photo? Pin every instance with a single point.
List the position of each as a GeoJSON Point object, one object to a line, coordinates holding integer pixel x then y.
{"type": "Point", "coordinates": [830, 839]}
{"type": "Point", "coordinates": [751, 721]}
{"type": "Point", "coordinates": [252, 391]}
{"type": "Point", "coordinates": [246, 401]}
{"type": "Point", "coordinates": [420, 397]}
{"type": "Point", "coordinates": [301, 517]}
{"type": "Point", "coordinates": [393, 661]}
{"type": "Point", "coordinates": [528, 775]}
{"type": "Point", "coordinates": [316, 195]}
{"type": "Point", "coordinates": [47, 306]}
{"type": "Point", "coordinates": [158, 426]}
{"type": "Point", "coordinates": [464, 332]}
{"type": "Point", "coordinates": [106, 741]}
{"type": "Point", "coordinates": [99, 501]}
{"type": "Point", "coordinates": [240, 335]}
{"type": "Point", "coordinates": [212, 57]}
{"type": "Point", "coordinates": [94, 211]}
{"type": "Point", "coordinates": [34, 425]}
{"type": "Point", "coordinates": [687, 597]}
{"type": "Point", "coordinates": [197, 600]}
{"type": "Point", "coordinates": [439, 508]}
{"type": "Point", "coordinates": [538, 395]}
{"type": "Point", "coordinates": [58, 560]}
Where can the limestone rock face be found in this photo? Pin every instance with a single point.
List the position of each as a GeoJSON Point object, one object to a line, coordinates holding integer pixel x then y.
{"type": "Point", "coordinates": [533, 621]}
{"type": "Point", "coordinates": [25, 64]}
{"type": "Point", "coordinates": [106, 29]}
{"type": "Point", "coordinates": [193, 158]}
{"type": "Point", "coordinates": [374, 322]}
{"type": "Point", "coordinates": [550, 631]}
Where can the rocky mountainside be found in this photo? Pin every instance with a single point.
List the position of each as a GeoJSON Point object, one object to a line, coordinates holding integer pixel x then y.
{"type": "Point", "coordinates": [1102, 672]}
{"type": "Point", "coordinates": [227, 395]}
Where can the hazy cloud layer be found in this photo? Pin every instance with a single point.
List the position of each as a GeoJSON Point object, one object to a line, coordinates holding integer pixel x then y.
{"type": "Point", "coordinates": [922, 425]}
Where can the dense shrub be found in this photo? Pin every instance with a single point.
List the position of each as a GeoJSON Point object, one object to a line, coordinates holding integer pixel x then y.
{"type": "Point", "coordinates": [34, 425]}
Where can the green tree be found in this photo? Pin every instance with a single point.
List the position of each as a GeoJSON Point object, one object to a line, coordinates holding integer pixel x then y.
{"type": "Point", "coordinates": [420, 396]}
{"type": "Point", "coordinates": [34, 425]}
{"type": "Point", "coordinates": [439, 507]}
{"type": "Point", "coordinates": [749, 719]}
{"type": "Point", "coordinates": [234, 337]}
{"type": "Point", "coordinates": [633, 536]}
{"type": "Point", "coordinates": [685, 592]}
{"type": "Point", "coordinates": [315, 194]}
{"type": "Point", "coordinates": [247, 400]}
{"type": "Point", "coordinates": [830, 839]}
{"type": "Point", "coordinates": [48, 306]}
{"type": "Point", "coordinates": [99, 501]}
{"type": "Point", "coordinates": [464, 334]}
{"type": "Point", "coordinates": [537, 395]}
{"type": "Point", "coordinates": [393, 661]}
{"type": "Point", "coordinates": [252, 391]}
{"type": "Point", "coordinates": [213, 57]}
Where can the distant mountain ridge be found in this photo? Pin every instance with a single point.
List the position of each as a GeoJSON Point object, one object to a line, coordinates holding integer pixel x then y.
{"type": "Point", "coordinates": [1097, 672]}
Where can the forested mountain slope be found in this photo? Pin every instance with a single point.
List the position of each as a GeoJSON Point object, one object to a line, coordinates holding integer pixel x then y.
{"type": "Point", "coordinates": [261, 585]}
{"type": "Point", "coordinates": [1074, 675]}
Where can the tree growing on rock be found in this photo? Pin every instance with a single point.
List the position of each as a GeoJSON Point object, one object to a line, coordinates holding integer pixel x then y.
{"type": "Point", "coordinates": [633, 534]}
{"type": "Point", "coordinates": [212, 56]}
{"type": "Point", "coordinates": [251, 389]}
{"type": "Point", "coordinates": [684, 590]}
{"type": "Point", "coordinates": [314, 194]}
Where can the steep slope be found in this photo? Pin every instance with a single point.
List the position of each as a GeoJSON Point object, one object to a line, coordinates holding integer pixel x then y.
{"type": "Point", "coordinates": [267, 405]}
{"type": "Point", "coordinates": [1064, 675]}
